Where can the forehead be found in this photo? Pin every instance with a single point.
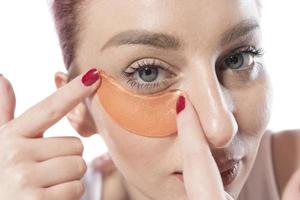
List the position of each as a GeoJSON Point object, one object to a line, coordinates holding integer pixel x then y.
{"type": "Point", "coordinates": [200, 21]}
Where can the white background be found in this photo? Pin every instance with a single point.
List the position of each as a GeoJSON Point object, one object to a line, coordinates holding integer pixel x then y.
{"type": "Point", "coordinates": [30, 55]}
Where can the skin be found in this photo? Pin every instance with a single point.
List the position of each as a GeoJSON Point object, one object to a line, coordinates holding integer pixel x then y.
{"type": "Point", "coordinates": [221, 102]}
{"type": "Point", "coordinates": [27, 159]}
{"type": "Point", "coordinates": [216, 116]}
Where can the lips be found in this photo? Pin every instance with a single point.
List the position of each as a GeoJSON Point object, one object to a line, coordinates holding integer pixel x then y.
{"type": "Point", "coordinates": [227, 165]}
{"type": "Point", "coordinates": [228, 171]}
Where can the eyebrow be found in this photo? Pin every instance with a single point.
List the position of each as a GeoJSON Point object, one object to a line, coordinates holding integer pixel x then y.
{"type": "Point", "coordinates": [144, 37]}
{"type": "Point", "coordinates": [240, 30]}
{"type": "Point", "coordinates": [167, 41]}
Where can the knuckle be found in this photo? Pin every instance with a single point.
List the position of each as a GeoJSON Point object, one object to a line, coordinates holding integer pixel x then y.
{"type": "Point", "coordinates": [78, 145]}
{"type": "Point", "coordinates": [5, 131]}
{"type": "Point", "coordinates": [49, 110]}
{"type": "Point", "coordinates": [79, 188]}
{"type": "Point", "coordinates": [14, 152]}
{"type": "Point", "coordinates": [82, 167]}
{"type": "Point", "coordinates": [23, 176]}
{"type": "Point", "coordinates": [51, 114]}
{"type": "Point", "coordinates": [13, 156]}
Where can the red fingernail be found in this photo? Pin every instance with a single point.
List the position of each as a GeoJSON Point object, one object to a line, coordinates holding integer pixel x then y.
{"type": "Point", "coordinates": [180, 105]}
{"type": "Point", "coordinates": [90, 77]}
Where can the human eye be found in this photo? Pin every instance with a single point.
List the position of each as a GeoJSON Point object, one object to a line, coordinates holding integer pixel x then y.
{"type": "Point", "coordinates": [149, 76]}
{"type": "Point", "coordinates": [240, 66]}
{"type": "Point", "coordinates": [242, 59]}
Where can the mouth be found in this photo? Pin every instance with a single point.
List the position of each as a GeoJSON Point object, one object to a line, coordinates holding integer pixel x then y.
{"type": "Point", "coordinates": [228, 171]}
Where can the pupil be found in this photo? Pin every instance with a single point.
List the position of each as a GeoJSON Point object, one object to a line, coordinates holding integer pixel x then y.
{"type": "Point", "coordinates": [148, 71]}
{"type": "Point", "coordinates": [235, 61]}
{"type": "Point", "coordinates": [148, 74]}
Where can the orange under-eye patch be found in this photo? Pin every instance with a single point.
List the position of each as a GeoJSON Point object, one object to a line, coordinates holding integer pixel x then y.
{"type": "Point", "coordinates": [146, 115]}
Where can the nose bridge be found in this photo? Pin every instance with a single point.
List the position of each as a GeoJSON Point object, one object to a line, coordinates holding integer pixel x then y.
{"type": "Point", "coordinates": [213, 105]}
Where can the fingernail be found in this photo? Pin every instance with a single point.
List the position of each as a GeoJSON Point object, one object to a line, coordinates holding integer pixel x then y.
{"type": "Point", "coordinates": [180, 105]}
{"type": "Point", "coordinates": [90, 77]}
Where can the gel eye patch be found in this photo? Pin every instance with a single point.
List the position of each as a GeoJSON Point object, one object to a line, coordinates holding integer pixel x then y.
{"type": "Point", "coordinates": [146, 115]}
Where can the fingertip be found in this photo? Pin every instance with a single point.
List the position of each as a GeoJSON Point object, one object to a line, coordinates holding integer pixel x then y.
{"type": "Point", "coordinates": [91, 77]}
{"type": "Point", "coordinates": [102, 164]}
{"type": "Point", "coordinates": [180, 104]}
{"type": "Point", "coordinates": [184, 110]}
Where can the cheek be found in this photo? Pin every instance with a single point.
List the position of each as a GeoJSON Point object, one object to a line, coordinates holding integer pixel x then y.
{"type": "Point", "coordinates": [133, 154]}
{"type": "Point", "coordinates": [253, 106]}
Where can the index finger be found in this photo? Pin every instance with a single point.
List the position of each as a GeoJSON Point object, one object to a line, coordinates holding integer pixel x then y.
{"type": "Point", "coordinates": [200, 172]}
{"type": "Point", "coordinates": [34, 121]}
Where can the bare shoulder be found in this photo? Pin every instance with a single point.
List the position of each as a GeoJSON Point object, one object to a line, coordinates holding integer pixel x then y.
{"type": "Point", "coordinates": [286, 155]}
{"type": "Point", "coordinates": [287, 144]}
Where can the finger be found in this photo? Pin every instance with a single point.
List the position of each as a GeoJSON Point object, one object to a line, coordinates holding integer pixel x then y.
{"type": "Point", "coordinates": [67, 191]}
{"type": "Point", "coordinates": [104, 164]}
{"type": "Point", "coordinates": [38, 118]}
{"type": "Point", "coordinates": [47, 148]}
{"type": "Point", "coordinates": [59, 170]}
{"type": "Point", "coordinates": [200, 172]}
{"type": "Point", "coordinates": [40, 149]}
{"type": "Point", "coordinates": [7, 101]}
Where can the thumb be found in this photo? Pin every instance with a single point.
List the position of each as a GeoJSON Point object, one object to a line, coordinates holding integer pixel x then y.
{"type": "Point", "coordinates": [104, 165]}
{"type": "Point", "coordinates": [7, 101]}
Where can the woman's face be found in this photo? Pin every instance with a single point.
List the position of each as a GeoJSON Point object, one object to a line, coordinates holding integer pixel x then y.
{"type": "Point", "coordinates": [203, 47]}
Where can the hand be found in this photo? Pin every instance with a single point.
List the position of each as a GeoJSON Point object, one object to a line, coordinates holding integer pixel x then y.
{"type": "Point", "coordinates": [201, 176]}
{"type": "Point", "coordinates": [200, 170]}
{"type": "Point", "coordinates": [33, 167]}
{"type": "Point", "coordinates": [292, 190]}
{"type": "Point", "coordinates": [199, 167]}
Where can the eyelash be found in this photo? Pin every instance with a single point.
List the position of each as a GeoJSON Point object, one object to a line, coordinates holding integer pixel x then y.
{"type": "Point", "coordinates": [163, 84]}
{"type": "Point", "coordinates": [255, 52]}
{"type": "Point", "coordinates": [252, 50]}
{"type": "Point", "coordinates": [153, 63]}
{"type": "Point", "coordinates": [244, 50]}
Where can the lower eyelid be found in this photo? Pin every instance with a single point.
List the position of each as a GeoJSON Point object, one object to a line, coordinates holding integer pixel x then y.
{"type": "Point", "coordinates": [148, 88]}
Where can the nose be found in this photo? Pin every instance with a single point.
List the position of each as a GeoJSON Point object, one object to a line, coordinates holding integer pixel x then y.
{"type": "Point", "coordinates": [214, 106]}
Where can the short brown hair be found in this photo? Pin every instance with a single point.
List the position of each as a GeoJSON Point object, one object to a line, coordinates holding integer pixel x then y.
{"type": "Point", "coordinates": [66, 19]}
